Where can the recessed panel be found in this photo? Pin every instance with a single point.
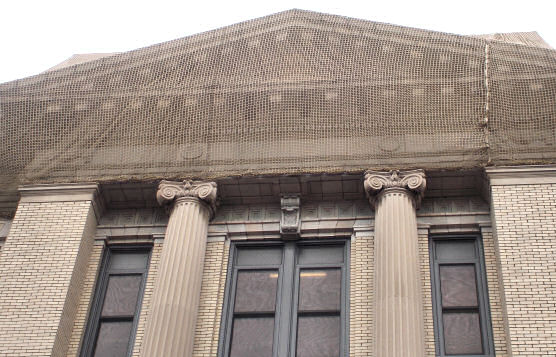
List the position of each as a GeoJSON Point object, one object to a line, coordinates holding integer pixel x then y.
{"type": "Point", "coordinates": [252, 337]}
{"type": "Point", "coordinates": [455, 249]}
{"type": "Point", "coordinates": [333, 254]}
{"type": "Point", "coordinates": [458, 286]}
{"type": "Point", "coordinates": [462, 333]}
{"type": "Point", "coordinates": [256, 291]}
{"type": "Point", "coordinates": [320, 290]}
{"type": "Point", "coordinates": [126, 260]}
{"type": "Point", "coordinates": [259, 256]}
{"type": "Point", "coordinates": [318, 336]}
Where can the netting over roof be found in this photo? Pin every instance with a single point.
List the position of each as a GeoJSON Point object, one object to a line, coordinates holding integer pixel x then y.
{"type": "Point", "coordinates": [295, 92]}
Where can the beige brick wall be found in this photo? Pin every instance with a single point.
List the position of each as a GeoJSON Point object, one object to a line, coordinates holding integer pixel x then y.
{"type": "Point", "coordinates": [428, 319]}
{"type": "Point", "coordinates": [212, 297]}
{"type": "Point", "coordinates": [361, 297]}
{"type": "Point", "coordinates": [43, 265]}
{"type": "Point", "coordinates": [494, 295]}
{"type": "Point", "coordinates": [525, 219]}
{"type": "Point", "coordinates": [147, 297]}
{"type": "Point", "coordinates": [85, 299]}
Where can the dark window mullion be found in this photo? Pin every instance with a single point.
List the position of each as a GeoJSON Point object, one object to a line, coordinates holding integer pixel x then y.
{"type": "Point", "coordinates": [320, 266]}
{"type": "Point", "coordinates": [126, 272]}
{"type": "Point", "coordinates": [255, 314]}
{"type": "Point", "coordinates": [284, 311]}
{"type": "Point", "coordinates": [258, 267]}
{"type": "Point", "coordinates": [482, 288]}
{"type": "Point", "coordinates": [230, 317]}
{"type": "Point", "coordinates": [319, 313]}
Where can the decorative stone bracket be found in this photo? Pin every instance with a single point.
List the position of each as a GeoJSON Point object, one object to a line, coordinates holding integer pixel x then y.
{"type": "Point", "coordinates": [377, 182]}
{"type": "Point", "coordinates": [290, 220]}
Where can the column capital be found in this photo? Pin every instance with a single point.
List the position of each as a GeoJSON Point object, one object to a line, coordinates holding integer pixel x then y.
{"type": "Point", "coordinates": [204, 191]}
{"type": "Point", "coordinates": [412, 181]}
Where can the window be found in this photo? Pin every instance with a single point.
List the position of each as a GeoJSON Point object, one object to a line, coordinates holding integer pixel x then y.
{"type": "Point", "coordinates": [461, 316]}
{"type": "Point", "coordinates": [286, 300]}
{"type": "Point", "coordinates": [115, 308]}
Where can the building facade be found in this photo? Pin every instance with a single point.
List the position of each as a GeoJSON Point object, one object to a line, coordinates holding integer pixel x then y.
{"type": "Point", "coordinates": [297, 185]}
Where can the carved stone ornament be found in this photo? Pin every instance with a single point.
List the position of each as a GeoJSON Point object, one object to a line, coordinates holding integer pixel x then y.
{"type": "Point", "coordinates": [376, 182]}
{"type": "Point", "coordinates": [290, 220]}
{"type": "Point", "coordinates": [168, 191]}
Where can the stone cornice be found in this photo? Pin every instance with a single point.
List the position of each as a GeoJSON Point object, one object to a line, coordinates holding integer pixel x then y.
{"type": "Point", "coordinates": [521, 175]}
{"type": "Point", "coordinates": [205, 191]}
{"type": "Point", "coordinates": [64, 193]}
{"type": "Point", "coordinates": [377, 182]}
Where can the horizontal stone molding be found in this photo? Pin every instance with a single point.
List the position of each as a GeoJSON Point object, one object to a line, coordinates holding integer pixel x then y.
{"type": "Point", "coordinates": [521, 175]}
{"type": "Point", "coordinates": [68, 192]}
{"type": "Point", "coordinates": [58, 192]}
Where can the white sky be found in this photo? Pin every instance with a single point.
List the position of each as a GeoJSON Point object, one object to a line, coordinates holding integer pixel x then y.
{"type": "Point", "coordinates": [38, 34]}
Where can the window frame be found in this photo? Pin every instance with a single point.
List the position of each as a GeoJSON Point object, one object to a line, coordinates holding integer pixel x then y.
{"type": "Point", "coordinates": [94, 318]}
{"type": "Point", "coordinates": [482, 293]}
{"type": "Point", "coordinates": [286, 313]}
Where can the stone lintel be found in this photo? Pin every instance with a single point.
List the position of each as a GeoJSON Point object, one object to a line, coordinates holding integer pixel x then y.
{"type": "Point", "coordinates": [67, 192]}
{"type": "Point", "coordinates": [521, 175]}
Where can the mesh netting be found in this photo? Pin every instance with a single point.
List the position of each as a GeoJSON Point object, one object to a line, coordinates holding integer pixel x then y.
{"type": "Point", "coordinates": [295, 92]}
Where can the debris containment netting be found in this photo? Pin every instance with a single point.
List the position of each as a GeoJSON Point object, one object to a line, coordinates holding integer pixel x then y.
{"type": "Point", "coordinates": [291, 93]}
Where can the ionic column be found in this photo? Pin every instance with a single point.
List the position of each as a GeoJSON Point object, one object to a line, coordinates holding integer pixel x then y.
{"type": "Point", "coordinates": [170, 329]}
{"type": "Point", "coordinates": [399, 318]}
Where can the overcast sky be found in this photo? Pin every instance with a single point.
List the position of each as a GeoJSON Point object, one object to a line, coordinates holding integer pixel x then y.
{"type": "Point", "coordinates": [38, 34]}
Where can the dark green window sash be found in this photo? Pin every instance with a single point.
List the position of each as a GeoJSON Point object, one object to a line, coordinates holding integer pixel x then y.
{"type": "Point", "coordinates": [288, 290]}
{"type": "Point", "coordinates": [460, 254]}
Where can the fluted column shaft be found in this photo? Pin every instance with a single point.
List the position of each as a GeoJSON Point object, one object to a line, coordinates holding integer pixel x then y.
{"type": "Point", "coordinates": [170, 329]}
{"type": "Point", "coordinates": [398, 297]}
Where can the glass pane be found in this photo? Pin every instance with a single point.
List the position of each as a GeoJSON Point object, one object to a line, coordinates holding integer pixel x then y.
{"type": "Point", "coordinates": [259, 256]}
{"type": "Point", "coordinates": [321, 255]}
{"type": "Point", "coordinates": [462, 333]}
{"type": "Point", "coordinates": [318, 336]}
{"type": "Point", "coordinates": [252, 337]}
{"type": "Point", "coordinates": [129, 260]}
{"type": "Point", "coordinates": [256, 291]}
{"type": "Point", "coordinates": [113, 339]}
{"type": "Point", "coordinates": [458, 286]}
{"type": "Point", "coordinates": [121, 295]}
{"type": "Point", "coordinates": [463, 249]}
{"type": "Point", "coordinates": [320, 290]}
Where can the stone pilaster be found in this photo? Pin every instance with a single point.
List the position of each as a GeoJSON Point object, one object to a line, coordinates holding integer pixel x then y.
{"type": "Point", "coordinates": [170, 329]}
{"type": "Point", "coordinates": [399, 328]}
